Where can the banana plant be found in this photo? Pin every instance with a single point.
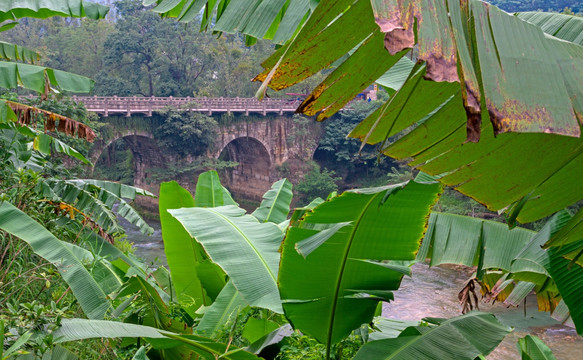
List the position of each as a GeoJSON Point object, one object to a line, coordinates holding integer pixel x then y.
{"type": "Point", "coordinates": [197, 280]}
{"type": "Point", "coordinates": [198, 277]}
{"type": "Point", "coordinates": [39, 78]}
{"type": "Point", "coordinates": [511, 263]}
{"type": "Point", "coordinates": [348, 254]}
{"type": "Point", "coordinates": [95, 200]}
{"type": "Point", "coordinates": [217, 227]}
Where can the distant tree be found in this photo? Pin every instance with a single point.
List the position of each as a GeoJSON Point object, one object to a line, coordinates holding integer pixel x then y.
{"type": "Point", "coordinates": [534, 5]}
{"type": "Point", "coordinates": [187, 133]}
{"type": "Point", "coordinates": [317, 183]}
{"type": "Point", "coordinates": [151, 56]}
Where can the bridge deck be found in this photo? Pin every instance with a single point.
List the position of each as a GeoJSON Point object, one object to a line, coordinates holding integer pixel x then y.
{"type": "Point", "coordinates": [145, 105]}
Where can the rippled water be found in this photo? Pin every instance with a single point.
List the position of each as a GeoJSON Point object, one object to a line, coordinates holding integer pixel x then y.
{"type": "Point", "coordinates": [432, 292]}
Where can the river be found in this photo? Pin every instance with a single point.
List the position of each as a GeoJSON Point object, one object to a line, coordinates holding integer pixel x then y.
{"type": "Point", "coordinates": [432, 292]}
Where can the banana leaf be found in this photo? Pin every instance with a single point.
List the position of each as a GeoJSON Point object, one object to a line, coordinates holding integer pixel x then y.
{"type": "Point", "coordinates": [209, 191]}
{"type": "Point", "coordinates": [38, 78]}
{"type": "Point", "coordinates": [244, 248]}
{"type": "Point", "coordinates": [551, 273]}
{"type": "Point", "coordinates": [464, 337]}
{"type": "Point", "coordinates": [141, 354]}
{"type": "Point", "coordinates": [439, 145]}
{"type": "Point", "coordinates": [275, 204]}
{"type": "Point", "coordinates": [14, 52]}
{"type": "Point", "coordinates": [186, 258]}
{"type": "Point", "coordinates": [80, 329]}
{"type": "Point", "coordinates": [269, 19]}
{"type": "Point", "coordinates": [464, 240]}
{"type": "Point", "coordinates": [10, 10]}
{"type": "Point", "coordinates": [91, 297]}
{"type": "Point", "coordinates": [563, 26]}
{"type": "Point", "coordinates": [385, 328]}
{"type": "Point", "coordinates": [228, 303]}
{"type": "Point", "coordinates": [95, 199]}
{"type": "Point", "coordinates": [57, 352]}
{"type": "Point", "coordinates": [337, 287]}
{"type": "Point", "coordinates": [533, 348]}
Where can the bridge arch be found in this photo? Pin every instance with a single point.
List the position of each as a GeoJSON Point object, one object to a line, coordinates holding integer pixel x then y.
{"type": "Point", "coordinates": [100, 145]}
{"type": "Point", "coordinates": [145, 152]}
{"type": "Point", "coordinates": [253, 174]}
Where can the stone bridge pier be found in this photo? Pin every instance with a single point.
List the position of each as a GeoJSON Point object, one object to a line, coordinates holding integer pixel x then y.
{"type": "Point", "coordinates": [261, 148]}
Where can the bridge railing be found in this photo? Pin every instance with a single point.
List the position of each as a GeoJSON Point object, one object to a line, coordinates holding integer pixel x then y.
{"type": "Point", "coordinates": [129, 105]}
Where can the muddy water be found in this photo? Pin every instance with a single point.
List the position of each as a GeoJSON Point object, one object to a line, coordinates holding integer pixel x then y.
{"type": "Point", "coordinates": [149, 248]}
{"type": "Point", "coordinates": [432, 292]}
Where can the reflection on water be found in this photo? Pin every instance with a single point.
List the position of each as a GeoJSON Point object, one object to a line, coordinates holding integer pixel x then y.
{"type": "Point", "coordinates": [431, 292]}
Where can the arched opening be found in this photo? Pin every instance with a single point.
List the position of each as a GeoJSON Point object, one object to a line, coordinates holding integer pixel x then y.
{"type": "Point", "coordinates": [131, 159]}
{"type": "Point", "coordinates": [116, 163]}
{"type": "Point", "coordinates": [250, 179]}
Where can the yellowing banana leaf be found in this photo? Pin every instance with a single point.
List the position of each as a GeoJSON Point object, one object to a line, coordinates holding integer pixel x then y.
{"type": "Point", "coordinates": [445, 35]}
{"type": "Point", "coordinates": [10, 10]}
{"type": "Point", "coordinates": [275, 204]}
{"type": "Point", "coordinates": [323, 40]}
{"type": "Point", "coordinates": [24, 116]}
{"type": "Point", "coordinates": [246, 249]}
{"type": "Point", "coordinates": [338, 285]}
{"type": "Point", "coordinates": [554, 274]}
{"type": "Point", "coordinates": [94, 200]}
{"type": "Point", "coordinates": [464, 337]}
{"type": "Point", "coordinates": [554, 99]}
{"type": "Point", "coordinates": [511, 263]}
{"type": "Point", "coordinates": [91, 297]}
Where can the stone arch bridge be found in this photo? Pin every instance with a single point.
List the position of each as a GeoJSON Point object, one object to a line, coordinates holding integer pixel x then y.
{"type": "Point", "coordinates": [261, 145]}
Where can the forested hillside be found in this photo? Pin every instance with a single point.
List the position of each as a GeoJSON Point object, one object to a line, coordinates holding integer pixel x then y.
{"type": "Point", "coordinates": [136, 52]}
{"type": "Point", "coordinates": [534, 5]}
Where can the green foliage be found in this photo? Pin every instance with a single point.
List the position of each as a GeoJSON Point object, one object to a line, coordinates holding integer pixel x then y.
{"type": "Point", "coordinates": [140, 296]}
{"type": "Point", "coordinates": [150, 55]}
{"type": "Point", "coordinates": [531, 348]}
{"type": "Point", "coordinates": [317, 183]}
{"type": "Point", "coordinates": [115, 164]}
{"type": "Point", "coordinates": [356, 234]}
{"type": "Point", "coordinates": [344, 155]}
{"type": "Point", "coordinates": [538, 5]}
{"type": "Point", "coordinates": [187, 133]}
{"type": "Point", "coordinates": [298, 347]}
